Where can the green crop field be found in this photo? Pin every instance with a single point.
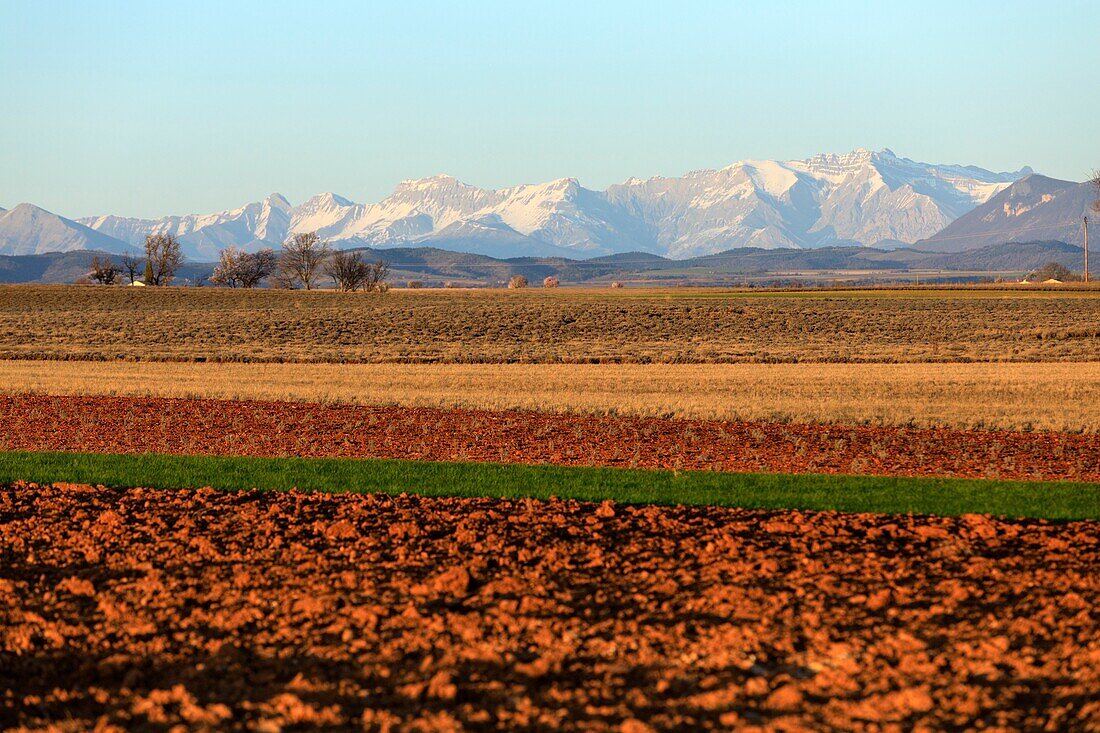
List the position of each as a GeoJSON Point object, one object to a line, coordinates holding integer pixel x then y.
{"type": "Point", "coordinates": [848, 493]}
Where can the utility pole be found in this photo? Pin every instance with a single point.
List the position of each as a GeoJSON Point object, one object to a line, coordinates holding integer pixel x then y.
{"type": "Point", "coordinates": [1086, 225]}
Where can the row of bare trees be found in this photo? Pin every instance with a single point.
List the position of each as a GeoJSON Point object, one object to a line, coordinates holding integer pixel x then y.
{"type": "Point", "coordinates": [304, 259]}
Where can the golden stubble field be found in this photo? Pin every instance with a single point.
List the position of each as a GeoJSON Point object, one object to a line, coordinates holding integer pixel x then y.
{"type": "Point", "coordinates": [1006, 396]}
{"type": "Point", "coordinates": [537, 326]}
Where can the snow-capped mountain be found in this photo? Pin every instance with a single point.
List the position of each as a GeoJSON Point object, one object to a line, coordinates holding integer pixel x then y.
{"type": "Point", "coordinates": [263, 223]}
{"type": "Point", "coordinates": [862, 197]}
{"type": "Point", "coordinates": [28, 229]}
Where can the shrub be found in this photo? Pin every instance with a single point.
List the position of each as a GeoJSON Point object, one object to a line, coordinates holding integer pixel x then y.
{"type": "Point", "coordinates": [550, 282]}
{"type": "Point", "coordinates": [616, 284]}
{"type": "Point", "coordinates": [1053, 271]}
{"type": "Point", "coordinates": [104, 271]}
{"type": "Point", "coordinates": [350, 272]}
{"type": "Point", "coordinates": [414, 284]}
{"type": "Point", "coordinates": [517, 282]}
{"type": "Point", "coordinates": [237, 268]}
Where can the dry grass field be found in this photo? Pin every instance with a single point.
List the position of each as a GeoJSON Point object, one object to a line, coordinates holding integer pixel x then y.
{"type": "Point", "coordinates": [1057, 396]}
{"type": "Point", "coordinates": [537, 326]}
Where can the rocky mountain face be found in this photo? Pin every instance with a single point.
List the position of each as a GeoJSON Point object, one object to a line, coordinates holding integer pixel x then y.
{"type": "Point", "coordinates": [862, 197]}
{"type": "Point", "coordinates": [1033, 208]}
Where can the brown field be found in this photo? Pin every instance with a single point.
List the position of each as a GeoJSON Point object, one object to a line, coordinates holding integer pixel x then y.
{"type": "Point", "coordinates": [1059, 397]}
{"type": "Point", "coordinates": [536, 326]}
{"type": "Point", "coordinates": [143, 425]}
{"type": "Point", "coordinates": [203, 610]}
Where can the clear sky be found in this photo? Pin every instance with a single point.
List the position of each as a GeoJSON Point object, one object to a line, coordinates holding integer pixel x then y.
{"type": "Point", "coordinates": [150, 108]}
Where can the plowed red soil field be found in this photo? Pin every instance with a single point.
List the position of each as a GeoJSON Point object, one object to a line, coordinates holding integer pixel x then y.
{"type": "Point", "coordinates": [144, 609]}
{"type": "Point", "coordinates": [140, 425]}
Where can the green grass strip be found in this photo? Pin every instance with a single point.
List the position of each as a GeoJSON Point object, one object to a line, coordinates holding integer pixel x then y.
{"type": "Point", "coordinates": [1051, 500]}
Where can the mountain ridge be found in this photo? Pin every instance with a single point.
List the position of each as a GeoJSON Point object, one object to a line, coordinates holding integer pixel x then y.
{"type": "Point", "coordinates": [1035, 207]}
{"type": "Point", "coordinates": [862, 197]}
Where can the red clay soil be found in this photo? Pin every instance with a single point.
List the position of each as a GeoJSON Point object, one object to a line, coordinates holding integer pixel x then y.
{"type": "Point", "coordinates": [143, 609]}
{"type": "Point", "coordinates": [217, 427]}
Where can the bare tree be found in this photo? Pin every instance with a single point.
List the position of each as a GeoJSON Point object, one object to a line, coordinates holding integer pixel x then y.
{"type": "Point", "coordinates": [550, 282]}
{"type": "Point", "coordinates": [236, 268]}
{"type": "Point", "coordinates": [256, 267]}
{"type": "Point", "coordinates": [163, 258]}
{"type": "Point", "coordinates": [1095, 181]}
{"type": "Point", "coordinates": [301, 260]}
{"type": "Point", "coordinates": [375, 280]}
{"type": "Point", "coordinates": [349, 272]}
{"type": "Point", "coordinates": [132, 264]}
{"type": "Point", "coordinates": [226, 271]}
{"type": "Point", "coordinates": [104, 271]}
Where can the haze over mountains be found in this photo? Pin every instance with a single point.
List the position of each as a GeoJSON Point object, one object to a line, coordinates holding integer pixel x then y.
{"type": "Point", "coordinates": [860, 198]}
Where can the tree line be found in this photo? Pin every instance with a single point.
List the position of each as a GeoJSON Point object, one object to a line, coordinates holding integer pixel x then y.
{"type": "Point", "coordinates": [302, 262]}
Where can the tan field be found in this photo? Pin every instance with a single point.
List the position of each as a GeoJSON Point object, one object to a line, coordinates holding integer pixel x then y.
{"type": "Point", "coordinates": [670, 326]}
{"type": "Point", "coordinates": [1058, 396]}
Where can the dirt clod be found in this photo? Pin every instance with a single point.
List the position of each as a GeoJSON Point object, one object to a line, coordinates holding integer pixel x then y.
{"type": "Point", "coordinates": [483, 614]}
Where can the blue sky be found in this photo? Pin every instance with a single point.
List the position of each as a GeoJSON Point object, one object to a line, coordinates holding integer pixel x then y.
{"type": "Point", "coordinates": [148, 108]}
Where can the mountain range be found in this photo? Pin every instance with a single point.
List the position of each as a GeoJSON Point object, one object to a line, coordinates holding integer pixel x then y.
{"type": "Point", "coordinates": [868, 198]}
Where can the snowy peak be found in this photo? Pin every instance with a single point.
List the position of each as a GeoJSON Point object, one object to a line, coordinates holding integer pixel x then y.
{"type": "Point", "coordinates": [327, 201]}
{"type": "Point", "coordinates": [277, 202]}
{"type": "Point", "coordinates": [29, 229]}
{"type": "Point", "coordinates": [444, 198]}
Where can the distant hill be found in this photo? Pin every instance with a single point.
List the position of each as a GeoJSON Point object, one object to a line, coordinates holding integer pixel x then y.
{"type": "Point", "coordinates": [1009, 257]}
{"type": "Point", "coordinates": [1035, 208]}
{"type": "Point", "coordinates": [437, 266]}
